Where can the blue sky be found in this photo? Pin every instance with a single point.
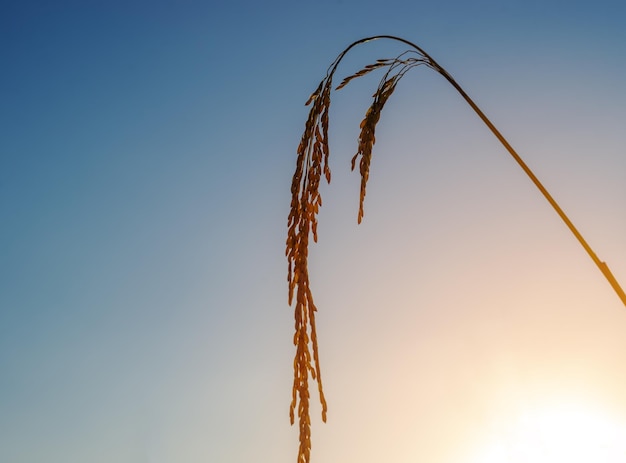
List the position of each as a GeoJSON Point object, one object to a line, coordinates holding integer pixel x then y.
{"type": "Point", "coordinates": [145, 164]}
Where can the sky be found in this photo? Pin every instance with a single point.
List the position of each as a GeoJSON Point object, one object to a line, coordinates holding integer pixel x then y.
{"type": "Point", "coordinates": [146, 156]}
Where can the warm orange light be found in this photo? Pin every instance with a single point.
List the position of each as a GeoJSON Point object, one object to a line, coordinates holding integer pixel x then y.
{"type": "Point", "coordinates": [559, 433]}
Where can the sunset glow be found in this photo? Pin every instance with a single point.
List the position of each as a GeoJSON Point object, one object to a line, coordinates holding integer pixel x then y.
{"type": "Point", "coordinates": [554, 433]}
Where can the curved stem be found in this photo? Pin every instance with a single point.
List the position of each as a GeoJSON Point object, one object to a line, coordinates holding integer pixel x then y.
{"type": "Point", "coordinates": [600, 264]}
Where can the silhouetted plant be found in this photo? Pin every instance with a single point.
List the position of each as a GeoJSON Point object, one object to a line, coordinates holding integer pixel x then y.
{"type": "Point", "coordinates": [312, 163]}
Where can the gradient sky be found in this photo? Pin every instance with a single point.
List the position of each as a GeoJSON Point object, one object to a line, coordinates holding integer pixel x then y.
{"type": "Point", "coordinates": [146, 155]}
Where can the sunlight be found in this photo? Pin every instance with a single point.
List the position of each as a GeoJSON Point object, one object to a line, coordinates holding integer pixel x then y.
{"type": "Point", "coordinates": [566, 432]}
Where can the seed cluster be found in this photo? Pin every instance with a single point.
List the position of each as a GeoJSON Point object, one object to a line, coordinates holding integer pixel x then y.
{"type": "Point", "coordinates": [312, 163]}
{"type": "Point", "coordinates": [302, 222]}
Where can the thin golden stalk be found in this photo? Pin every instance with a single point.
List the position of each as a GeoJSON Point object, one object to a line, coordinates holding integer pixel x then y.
{"type": "Point", "coordinates": [312, 161]}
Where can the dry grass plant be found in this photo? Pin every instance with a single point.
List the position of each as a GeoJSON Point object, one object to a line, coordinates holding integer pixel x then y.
{"type": "Point", "coordinates": [312, 162]}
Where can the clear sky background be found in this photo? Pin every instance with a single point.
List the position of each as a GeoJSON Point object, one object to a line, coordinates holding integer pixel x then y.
{"type": "Point", "coordinates": [146, 154]}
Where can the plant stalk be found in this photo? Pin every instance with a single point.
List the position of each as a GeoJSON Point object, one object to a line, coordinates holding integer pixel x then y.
{"type": "Point", "coordinates": [604, 268]}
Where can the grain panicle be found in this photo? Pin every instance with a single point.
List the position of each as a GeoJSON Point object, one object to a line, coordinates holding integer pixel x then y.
{"type": "Point", "coordinates": [311, 164]}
